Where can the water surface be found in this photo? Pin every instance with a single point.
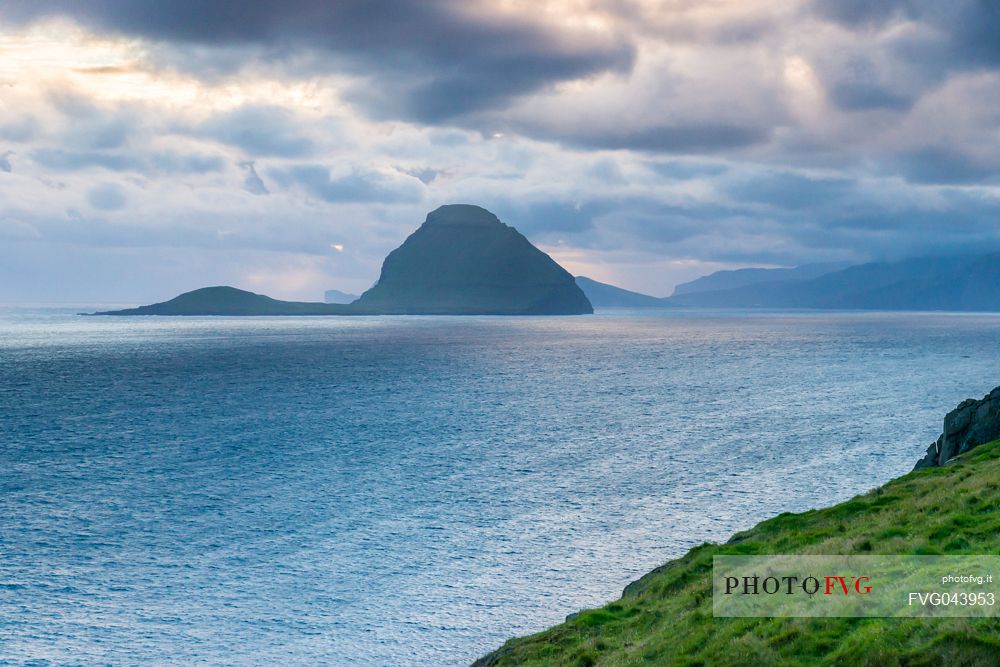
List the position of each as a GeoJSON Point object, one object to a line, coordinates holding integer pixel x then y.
{"type": "Point", "coordinates": [410, 491]}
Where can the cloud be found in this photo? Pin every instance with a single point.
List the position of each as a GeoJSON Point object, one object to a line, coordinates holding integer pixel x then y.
{"type": "Point", "coordinates": [865, 96]}
{"type": "Point", "coordinates": [436, 59]}
{"type": "Point", "coordinates": [252, 182]}
{"type": "Point", "coordinates": [939, 165]}
{"type": "Point", "coordinates": [269, 131]}
{"type": "Point", "coordinates": [356, 185]}
{"type": "Point", "coordinates": [689, 138]}
{"type": "Point", "coordinates": [160, 162]}
{"type": "Point", "coordinates": [89, 126]}
{"type": "Point", "coordinates": [789, 190]}
{"type": "Point", "coordinates": [550, 219]}
{"type": "Point", "coordinates": [687, 170]}
{"type": "Point", "coordinates": [107, 197]}
{"type": "Point", "coordinates": [425, 175]}
{"type": "Point", "coordinates": [656, 133]}
{"type": "Point", "coordinates": [864, 13]}
{"type": "Point", "coordinates": [20, 130]}
{"type": "Point", "coordinates": [961, 34]}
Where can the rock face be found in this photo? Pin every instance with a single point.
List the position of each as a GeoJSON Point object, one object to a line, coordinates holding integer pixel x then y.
{"type": "Point", "coordinates": [464, 261]}
{"type": "Point", "coordinates": [971, 424]}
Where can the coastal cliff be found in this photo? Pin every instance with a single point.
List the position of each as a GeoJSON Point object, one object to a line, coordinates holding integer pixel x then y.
{"type": "Point", "coordinates": [971, 424]}
{"type": "Point", "coordinates": [665, 617]}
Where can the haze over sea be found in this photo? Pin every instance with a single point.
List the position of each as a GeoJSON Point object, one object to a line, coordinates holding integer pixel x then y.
{"type": "Point", "coordinates": [415, 490]}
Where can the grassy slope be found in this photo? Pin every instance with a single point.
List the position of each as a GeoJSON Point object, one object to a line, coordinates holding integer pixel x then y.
{"type": "Point", "coordinates": [665, 618]}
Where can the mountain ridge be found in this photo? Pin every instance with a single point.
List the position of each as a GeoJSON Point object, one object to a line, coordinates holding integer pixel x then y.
{"type": "Point", "coordinates": [958, 283]}
{"type": "Point", "coordinates": [737, 278]}
{"type": "Point", "coordinates": [606, 295]}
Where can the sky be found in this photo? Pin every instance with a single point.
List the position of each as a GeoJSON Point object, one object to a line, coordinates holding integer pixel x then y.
{"type": "Point", "coordinates": [149, 148]}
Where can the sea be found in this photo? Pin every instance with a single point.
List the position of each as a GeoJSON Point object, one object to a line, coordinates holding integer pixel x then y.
{"type": "Point", "coordinates": [416, 490]}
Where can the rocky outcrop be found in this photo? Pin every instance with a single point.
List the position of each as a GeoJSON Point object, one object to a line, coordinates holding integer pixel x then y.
{"type": "Point", "coordinates": [971, 424]}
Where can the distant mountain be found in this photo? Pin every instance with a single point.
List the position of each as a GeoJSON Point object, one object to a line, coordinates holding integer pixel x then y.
{"type": "Point", "coordinates": [603, 295]}
{"type": "Point", "coordinates": [461, 261]}
{"type": "Point", "coordinates": [336, 296]}
{"type": "Point", "coordinates": [961, 283]}
{"type": "Point", "coordinates": [464, 261]}
{"type": "Point", "coordinates": [721, 280]}
{"type": "Point", "coordinates": [229, 301]}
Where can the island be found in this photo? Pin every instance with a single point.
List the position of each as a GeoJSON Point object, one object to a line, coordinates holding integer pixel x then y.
{"type": "Point", "coordinates": [461, 261]}
{"type": "Point", "coordinates": [225, 300]}
{"type": "Point", "coordinates": [464, 261]}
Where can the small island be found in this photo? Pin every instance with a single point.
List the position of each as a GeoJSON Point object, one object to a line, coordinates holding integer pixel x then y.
{"type": "Point", "coordinates": [229, 301]}
{"type": "Point", "coordinates": [461, 261]}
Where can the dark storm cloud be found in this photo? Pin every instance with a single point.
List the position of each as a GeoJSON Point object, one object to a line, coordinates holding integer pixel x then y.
{"type": "Point", "coordinates": [435, 59]}
{"type": "Point", "coordinates": [357, 186]}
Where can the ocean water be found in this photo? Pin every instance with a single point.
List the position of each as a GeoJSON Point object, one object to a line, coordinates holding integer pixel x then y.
{"type": "Point", "coordinates": [413, 491]}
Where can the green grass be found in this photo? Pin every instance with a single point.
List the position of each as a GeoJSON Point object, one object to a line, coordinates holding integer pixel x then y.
{"type": "Point", "coordinates": [665, 618]}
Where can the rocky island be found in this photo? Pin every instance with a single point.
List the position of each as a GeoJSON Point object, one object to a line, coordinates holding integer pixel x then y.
{"type": "Point", "coordinates": [464, 261]}
{"type": "Point", "coordinates": [461, 261]}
